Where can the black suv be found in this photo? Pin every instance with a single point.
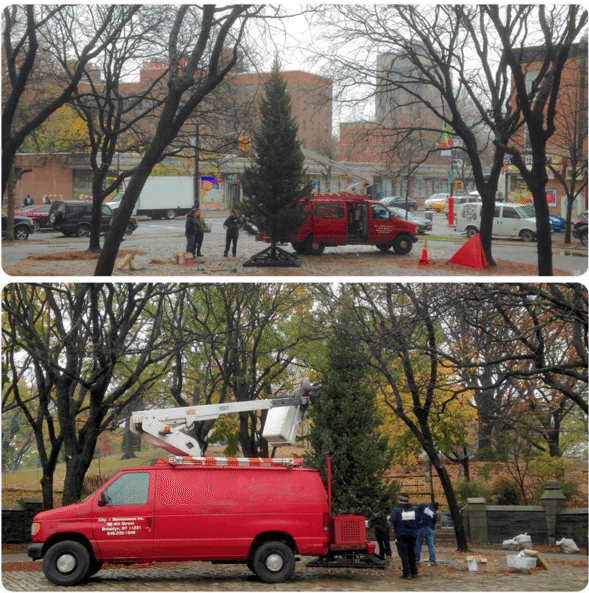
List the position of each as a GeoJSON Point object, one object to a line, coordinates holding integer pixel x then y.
{"type": "Point", "coordinates": [73, 217]}
{"type": "Point", "coordinates": [23, 226]}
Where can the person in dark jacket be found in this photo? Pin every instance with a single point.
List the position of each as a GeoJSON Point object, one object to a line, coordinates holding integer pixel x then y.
{"type": "Point", "coordinates": [404, 520]}
{"type": "Point", "coordinates": [425, 531]}
{"type": "Point", "coordinates": [382, 533]}
{"type": "Point", "coordinates": [231, 225]}
{"type": "Point", "coordinates": [199, 232]}
{"type": "Point", "coordinates": [190, 232]}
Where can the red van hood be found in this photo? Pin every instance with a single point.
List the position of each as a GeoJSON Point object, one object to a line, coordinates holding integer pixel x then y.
{"type": "Point", "coordinates": [78, 509]}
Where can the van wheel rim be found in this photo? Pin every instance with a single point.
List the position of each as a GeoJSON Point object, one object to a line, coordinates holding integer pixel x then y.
{"type": "Point", "coordinates": [66, 563]}
{"type": "Point", "coordinates": [274, 562]}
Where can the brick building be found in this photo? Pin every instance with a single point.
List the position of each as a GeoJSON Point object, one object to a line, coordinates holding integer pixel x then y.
{"type": "Point", "coordinates": [68, 176]}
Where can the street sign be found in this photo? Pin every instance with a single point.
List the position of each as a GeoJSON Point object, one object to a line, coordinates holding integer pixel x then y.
{"type": "Point", "coordinates": [451, 176]}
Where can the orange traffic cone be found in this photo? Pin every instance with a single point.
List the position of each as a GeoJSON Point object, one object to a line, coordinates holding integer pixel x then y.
{"type": "Point", "coordinates": [423, 259]}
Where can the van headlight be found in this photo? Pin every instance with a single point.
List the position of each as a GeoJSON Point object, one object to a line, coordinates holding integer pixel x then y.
{"type": "Point", "coordinates": [35, 528]}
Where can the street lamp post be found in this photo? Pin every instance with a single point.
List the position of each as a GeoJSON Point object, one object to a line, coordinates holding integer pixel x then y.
{"type": "Point", "coordinates": [196, 183]}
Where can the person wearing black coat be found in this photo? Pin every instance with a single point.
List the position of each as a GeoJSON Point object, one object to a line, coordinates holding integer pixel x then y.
{"type": "Point", "coordinates": [231, 225]}
{"type": "Point", "coordinates": [190, 232]}
{"type": "Point", "coordinates": [404, 520]}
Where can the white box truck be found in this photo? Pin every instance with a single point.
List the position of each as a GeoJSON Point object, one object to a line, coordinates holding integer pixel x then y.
{"type": "Point", "coordinates": [162, 197]}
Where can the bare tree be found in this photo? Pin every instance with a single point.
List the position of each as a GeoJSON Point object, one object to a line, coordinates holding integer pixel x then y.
{"type": "Point", "coordinates": [569, 141]}
{"type": "Point", "coordinates": [537, 96]}
{"type": "Point", "coordinates": [197, 64]}
{"type": "Point", "coordinates": [440, 56]}
{"type": "Point", "coordinates": [92, 350]}
{"type": "Point", "coordinates": [37, 82]}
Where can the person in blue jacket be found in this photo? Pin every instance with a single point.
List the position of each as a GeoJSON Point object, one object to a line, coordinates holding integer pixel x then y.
{"type": "Point", "coordinates": [428, 517]}
{"type": "Point", "coordinates": [404, 520]}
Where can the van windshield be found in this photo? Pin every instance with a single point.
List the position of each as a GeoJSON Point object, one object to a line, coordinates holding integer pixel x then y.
{"type": "Point", "coordinates": [526, 211]}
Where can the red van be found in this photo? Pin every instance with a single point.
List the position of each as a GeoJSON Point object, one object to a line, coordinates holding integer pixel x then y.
{"type": "Point", "coordinates": [351, 219]}
{"type": "Point", "coordinates": [263, 515]}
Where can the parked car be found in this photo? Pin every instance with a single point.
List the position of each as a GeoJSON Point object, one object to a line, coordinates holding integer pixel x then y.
{"type": "Point", "coordinates": [436, 202]}
{"type": "Point", "coordinates": [39, 214]}
{"type": "Point", "coordinates": [73, 217]}
{"type": "Point", "coordinates": [23, 227]}
{"type": "Point", "coordinates": [580, 228]}
{"type": "Point", "coordinates": [408, 204]}
{"type": "Point", "coordinates": [423, 224]}
{"type": "Point", "coordinates": [556, 222]}
{"type": "Point", "coordinates": [510, 220]}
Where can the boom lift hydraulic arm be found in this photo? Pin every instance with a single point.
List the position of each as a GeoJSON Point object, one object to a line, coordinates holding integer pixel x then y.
{"type": "Point", "coordinates": [167, 428]}
{"type": "Point", "coordinates": [359, 187]}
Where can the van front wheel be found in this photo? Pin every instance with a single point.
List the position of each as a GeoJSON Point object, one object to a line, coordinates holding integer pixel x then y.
{"type": "Point", "coordinates": [471, 231]}
{"type": "Point", "coordinates": [66, 563]}
{"type": "Point", "coordinates": [274, 562]}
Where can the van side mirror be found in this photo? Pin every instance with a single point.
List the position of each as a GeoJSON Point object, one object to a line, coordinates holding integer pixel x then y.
{"type": "Point", "coordinates": [102, 499]}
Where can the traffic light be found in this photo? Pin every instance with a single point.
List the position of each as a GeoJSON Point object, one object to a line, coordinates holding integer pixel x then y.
{"type": "Point", "coordinates": [244, 143]}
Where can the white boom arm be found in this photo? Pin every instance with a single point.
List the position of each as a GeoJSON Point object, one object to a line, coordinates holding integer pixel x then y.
{"type": "Point", "coordinates": [364, 180]}
{"type": "Point", "coordinates": [166, 428]}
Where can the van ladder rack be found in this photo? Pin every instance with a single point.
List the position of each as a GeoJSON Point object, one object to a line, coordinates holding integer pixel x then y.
{"type": "Point", "coordinates": [236, 461]}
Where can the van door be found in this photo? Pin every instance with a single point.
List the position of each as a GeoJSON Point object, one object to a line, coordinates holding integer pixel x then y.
{"type": "Point", "coordinates": [380, 224]}
{"type": "Point", "coordinates": [330, 225]}
{"type": "Point", "coordinates": [508, 221]}
{"type": "Point", "coordinates": [122, 517]}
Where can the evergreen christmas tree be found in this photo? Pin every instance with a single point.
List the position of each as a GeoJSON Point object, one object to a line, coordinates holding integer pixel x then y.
{"type": "Point", "coordinates": [345, 423]}
{"type": "Point", "coordinates": [275, 184]}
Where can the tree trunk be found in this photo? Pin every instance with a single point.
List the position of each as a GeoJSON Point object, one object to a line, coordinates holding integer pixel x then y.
{"type": "Point", "coordinates": [461, 543]}
{"type": "Point", "coordinates": [47, 489]}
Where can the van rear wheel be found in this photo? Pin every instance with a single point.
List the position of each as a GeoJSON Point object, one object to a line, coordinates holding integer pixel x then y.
{"type": "Point", "coordinates": [274, 562]}
{"type": "Point", "coordinates": [527, 236]}
{"type": "Point", "coordinates": [312, 247]}
{"type": "Point", "coordinates": [66, 563]}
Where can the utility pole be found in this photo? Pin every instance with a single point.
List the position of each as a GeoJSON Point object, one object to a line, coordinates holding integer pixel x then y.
{"type": "Point", "coordinates": [196, 183]}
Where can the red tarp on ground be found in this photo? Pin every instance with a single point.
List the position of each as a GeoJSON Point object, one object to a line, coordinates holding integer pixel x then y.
{"type": "Point", "coordinates": [471, 254]}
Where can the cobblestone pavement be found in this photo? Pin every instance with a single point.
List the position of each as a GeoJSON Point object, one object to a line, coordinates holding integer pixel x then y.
{"type": "Point", "coordinates": [451, 574]}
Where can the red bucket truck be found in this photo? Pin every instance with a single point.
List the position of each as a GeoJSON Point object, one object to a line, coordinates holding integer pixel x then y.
{"type": "Point", "coordinates": [262, 512]}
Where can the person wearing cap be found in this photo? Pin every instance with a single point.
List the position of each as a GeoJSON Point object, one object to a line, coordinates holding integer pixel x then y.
{"type": "Point", "coordinates": [404, 520]}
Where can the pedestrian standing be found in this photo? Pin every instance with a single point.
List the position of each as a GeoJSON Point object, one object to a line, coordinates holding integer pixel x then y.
{"type": "Point", "coordinates": [382, 533]}
{"type": "Point", "coordinates": [29, 201]}
{"type": "Point", "coordinates": [404, 521]}
{"type": "Point", "coordinates": [427, 522]}
{"type": "Point", "coordinates": [231, 225]}
{"type": "Point", "coordinates": [190, 232]}
{"type": "Point", "coordinates": [199, 226]}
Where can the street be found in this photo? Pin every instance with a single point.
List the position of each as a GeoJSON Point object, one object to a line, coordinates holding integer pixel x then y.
{"type": "Point", "coordinates": [158, 240]}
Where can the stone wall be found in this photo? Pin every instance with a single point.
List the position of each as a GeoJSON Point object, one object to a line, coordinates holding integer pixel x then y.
{"type": "Point", "coordinates": [17, 519]}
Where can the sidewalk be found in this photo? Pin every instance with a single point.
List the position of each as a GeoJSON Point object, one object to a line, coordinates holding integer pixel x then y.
{"type": "Point", "coordinates": [567, 572]}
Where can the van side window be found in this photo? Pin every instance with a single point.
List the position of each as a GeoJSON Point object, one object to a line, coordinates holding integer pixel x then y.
{"type": "Point", "coordinates": [329, 211]}
{"type": "Point", "coordinates": [510, 213]}
{"type": "Point", "coordinates": [380, 212]}
{"type": "Point", "coordinates": [129, 489]}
